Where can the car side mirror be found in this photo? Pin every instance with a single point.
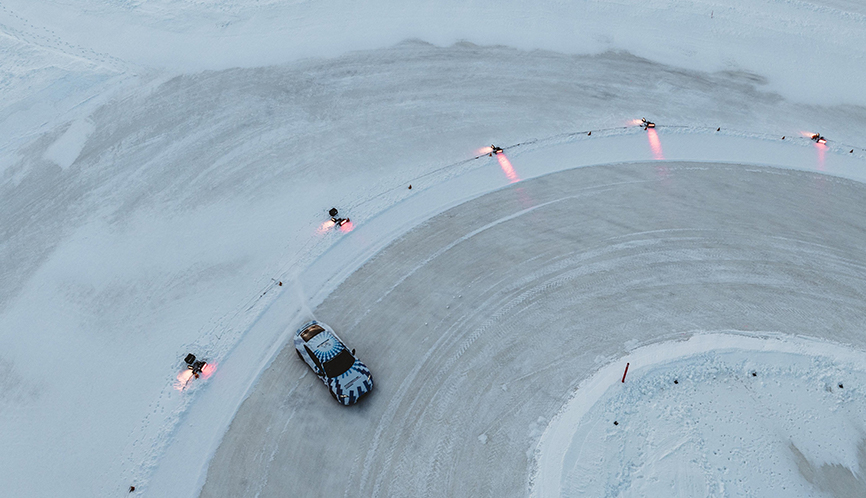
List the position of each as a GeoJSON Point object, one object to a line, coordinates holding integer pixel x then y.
{"type": "Point", "coordinates": [353, 352]}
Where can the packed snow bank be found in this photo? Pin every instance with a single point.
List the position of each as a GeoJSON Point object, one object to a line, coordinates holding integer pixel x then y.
{"type": "Point", "coordinates": [716, 415]}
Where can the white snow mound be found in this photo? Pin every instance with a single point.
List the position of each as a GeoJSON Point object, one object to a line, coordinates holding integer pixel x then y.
{"type": "Point", "coordinates": [717, 415]}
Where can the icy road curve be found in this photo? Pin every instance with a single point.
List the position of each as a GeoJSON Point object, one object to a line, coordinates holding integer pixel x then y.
{"type": "Point", "coordinates": [480, 324]}
{"type": "Point", "coordinates": [165, 163]}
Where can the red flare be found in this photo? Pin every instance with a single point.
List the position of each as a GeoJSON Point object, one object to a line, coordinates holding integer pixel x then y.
{"type": "Point", "coordinates": [506, 166]}
{"type": "Point", "coordinates": [208, 370]}
{"type": "Point", "coordinates": [327, 225]}
{"type": "Point", "coordinates": [183, 379]}
{"type": "Point", "coordinates": [655, 144]}
{"type": "Point", "coordinates": [822, 151]}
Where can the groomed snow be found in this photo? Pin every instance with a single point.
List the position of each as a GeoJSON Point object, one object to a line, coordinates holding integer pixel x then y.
{"type": "Point", "coordinates": [796, 45]}
{"type": "Point", "coordinates": [716, 415]}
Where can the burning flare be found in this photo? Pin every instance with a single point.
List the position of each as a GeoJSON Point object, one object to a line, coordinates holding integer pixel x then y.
{"type": "Point", "coordinates": [208, 370]}
{"type": "Point", "coordinates": [655, 144]}
{"type": "Point", "coordinates": [183, 379]}
{"type": "Point", "coordinates": [506, 166]}
{"type": "Point", "coordinates": [815, 137]}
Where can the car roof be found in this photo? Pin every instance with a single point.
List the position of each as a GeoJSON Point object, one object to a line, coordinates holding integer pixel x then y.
{"type": "Point", "coordinates": [325, 345]}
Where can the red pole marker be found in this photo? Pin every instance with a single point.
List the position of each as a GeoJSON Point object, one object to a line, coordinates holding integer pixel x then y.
{"type": "Point", "coordinates": [623, 374]}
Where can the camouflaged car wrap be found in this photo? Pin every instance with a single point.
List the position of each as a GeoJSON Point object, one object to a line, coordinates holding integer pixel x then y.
{"type": "Point", "coordinates": [352, 385]}
{"type": "Point", "coordinates": [348, 387]}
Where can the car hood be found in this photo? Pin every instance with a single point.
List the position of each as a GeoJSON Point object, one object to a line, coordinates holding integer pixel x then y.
{"type": "Point", "coordinates": [353, 384]}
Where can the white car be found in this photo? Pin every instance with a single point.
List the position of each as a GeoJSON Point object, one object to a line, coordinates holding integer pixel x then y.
{"type": "Point", "coordinates": [347, 377]}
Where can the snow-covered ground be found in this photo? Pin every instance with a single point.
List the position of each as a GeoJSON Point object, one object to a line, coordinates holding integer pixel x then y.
{"type": "Point", "coordinates": [717, 415]}
{"type": "Point", "coordinates": [158, 179]}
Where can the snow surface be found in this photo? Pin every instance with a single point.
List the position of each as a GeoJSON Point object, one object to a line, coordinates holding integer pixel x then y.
{"type": "Point", "coordinates": [68, 147]}
{"type": "Point", "coordinates": [796, 44]}
{"type": "Point", "coordinates": [150, 209]}
{"type": "Point", "coordinates": [484, 319]}
{"type": "Point", "coordinates": [716, 415]}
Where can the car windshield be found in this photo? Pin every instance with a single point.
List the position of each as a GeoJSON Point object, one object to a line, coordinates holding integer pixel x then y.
{"type": "Point", "coordinates": [340, 364]}
{"type": "Point", "coordinates": [310, 332]}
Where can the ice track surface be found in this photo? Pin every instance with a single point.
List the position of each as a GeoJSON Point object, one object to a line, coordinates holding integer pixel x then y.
{"type": "Point", "coordinates": [479, 324]}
